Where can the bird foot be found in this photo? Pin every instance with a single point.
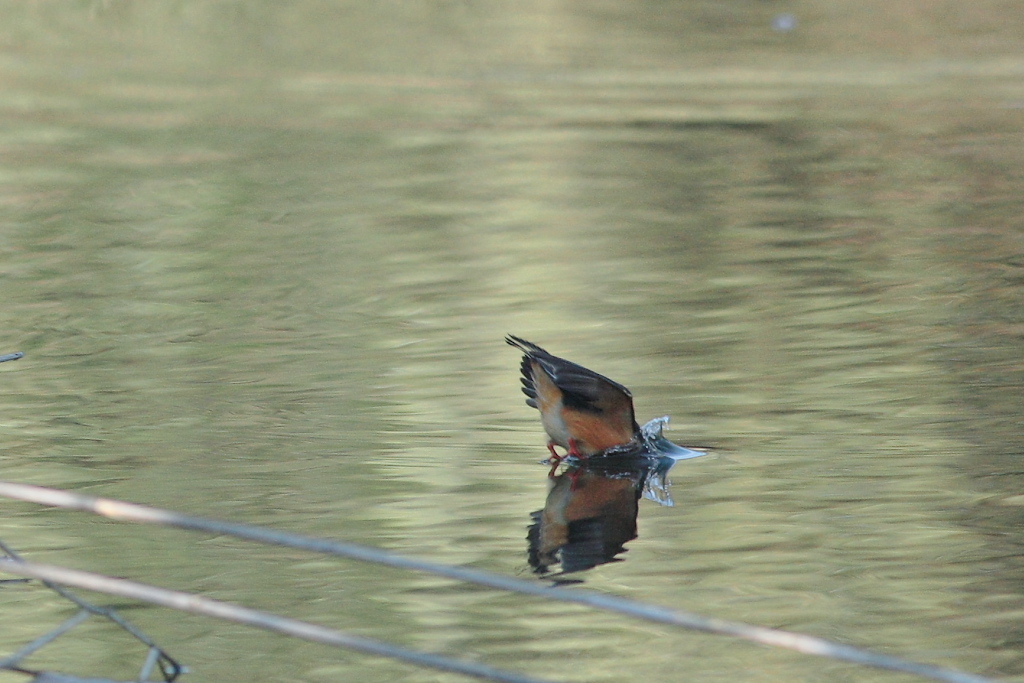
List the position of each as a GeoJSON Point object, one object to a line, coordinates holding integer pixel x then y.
{"type": "Point", "coordinates": [555, 461]}
{"type": "Point", "coordinates": [574, 450]}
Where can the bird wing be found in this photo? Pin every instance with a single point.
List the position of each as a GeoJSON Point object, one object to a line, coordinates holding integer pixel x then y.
{"type": "Point", "coordinates": [585, 394]}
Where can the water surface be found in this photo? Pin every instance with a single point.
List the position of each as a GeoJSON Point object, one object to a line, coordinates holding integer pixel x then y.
{"type": "Point", "coordinates": [261, 263]}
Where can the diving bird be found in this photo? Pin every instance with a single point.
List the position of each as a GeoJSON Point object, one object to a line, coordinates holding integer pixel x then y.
{"type": "Point", "coordinates": [583, 412]}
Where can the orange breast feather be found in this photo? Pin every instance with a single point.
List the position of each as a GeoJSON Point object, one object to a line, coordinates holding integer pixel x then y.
{"type": "Point", "coordinates": [596, 432]}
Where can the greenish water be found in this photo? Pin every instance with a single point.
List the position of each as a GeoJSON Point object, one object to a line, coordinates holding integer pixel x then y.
{"type": "Point", "coordinates": [261, 262]}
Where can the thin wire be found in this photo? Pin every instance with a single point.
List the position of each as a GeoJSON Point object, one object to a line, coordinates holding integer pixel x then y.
{"type": "Point", "coordinates": [120, 510]}
{"type": "Point", "coordinates": [152, 659]}
{"type": "Point", "coordinates": [169, 668]}
{"type": "Point", "coordinates": [196, 604]}
{"type": "Point", "coordinates": [44, 640]}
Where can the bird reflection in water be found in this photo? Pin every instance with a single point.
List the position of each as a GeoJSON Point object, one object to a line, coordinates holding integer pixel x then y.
{"type": "Point", "coordinates": [592, 506]}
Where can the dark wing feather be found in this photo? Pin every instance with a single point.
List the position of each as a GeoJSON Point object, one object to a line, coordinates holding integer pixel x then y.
{"type": "Point", "coordinates": [582, 389]}
{"type": "Point", "coordinates": [527, 379]}
{"type": "Point", "coordinates": [529, 388]}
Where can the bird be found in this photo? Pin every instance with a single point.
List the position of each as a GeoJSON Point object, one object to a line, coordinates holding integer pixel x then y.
{"type": "Point", "coordinates": [583, 412]}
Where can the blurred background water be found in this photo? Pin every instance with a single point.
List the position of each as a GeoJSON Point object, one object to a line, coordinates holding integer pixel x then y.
{"type": "Point", "coordinates": [261, 257]}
